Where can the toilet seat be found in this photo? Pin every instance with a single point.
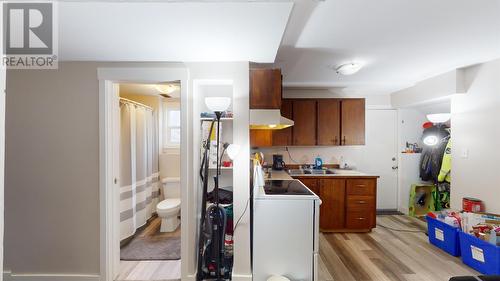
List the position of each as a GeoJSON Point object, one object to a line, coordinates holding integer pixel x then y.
{"type": "Point", "coordinates": [168, 206]}
{"type": "Point", "coordinates": [169, 203]}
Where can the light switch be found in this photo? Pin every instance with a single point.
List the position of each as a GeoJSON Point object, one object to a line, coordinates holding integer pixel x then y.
{"type": "Point", "coordinates": [465, 153]}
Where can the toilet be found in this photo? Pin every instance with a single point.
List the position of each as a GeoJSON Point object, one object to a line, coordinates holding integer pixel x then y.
{"type": "Point", "coordinates": [169, 209]}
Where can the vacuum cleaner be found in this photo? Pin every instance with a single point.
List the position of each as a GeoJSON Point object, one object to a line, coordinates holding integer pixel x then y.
{"type": "Point", "coordinates": [212, 261]}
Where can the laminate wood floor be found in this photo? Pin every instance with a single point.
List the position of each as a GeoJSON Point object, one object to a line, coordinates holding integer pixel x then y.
{"type": "Point", "coordinates": [382, 255]}
{"type": "Point", "coordinates": [168, 270]}
{"type": "Point", "coordinates": [386, 255]}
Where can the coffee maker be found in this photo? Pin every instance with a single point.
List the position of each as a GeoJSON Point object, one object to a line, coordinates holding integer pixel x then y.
{"type": "Point", "coordinates": [278, 163]}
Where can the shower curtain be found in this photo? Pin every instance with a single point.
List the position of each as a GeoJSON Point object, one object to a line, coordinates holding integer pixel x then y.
{"type": "Point", "coordinates": [139, 176]}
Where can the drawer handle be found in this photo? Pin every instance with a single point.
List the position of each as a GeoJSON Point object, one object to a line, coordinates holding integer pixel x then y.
{"type": "Point", "coordinates": [361, 202]}
{"type": "Point", "coordinates": [360, 185]}
{"type": "Point", "coordinates": [360, 219]}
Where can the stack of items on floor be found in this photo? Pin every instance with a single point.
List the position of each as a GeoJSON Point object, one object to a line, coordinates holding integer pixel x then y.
{"type": "Point", "coordinates": [473, 236]}
{"type": "Point", "coordinates": [483, 226]}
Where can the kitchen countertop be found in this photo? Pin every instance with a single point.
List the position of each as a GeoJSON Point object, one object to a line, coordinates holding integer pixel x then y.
{"type": "Point", "coordinates": [283, 175]}
{"type": "Point", "coordinates": [279, 175]}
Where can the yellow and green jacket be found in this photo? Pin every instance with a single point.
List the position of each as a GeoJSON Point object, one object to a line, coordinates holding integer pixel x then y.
{"type": "Point", "coordinates": [445, 172]}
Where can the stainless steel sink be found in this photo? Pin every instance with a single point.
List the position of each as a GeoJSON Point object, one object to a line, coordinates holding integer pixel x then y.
{"type": "Point", "coordinates": [298, 172]}
{"type": "Point", "coordinates": [321, 172]}
{"type": "Point", "coordinates": [295, 172]}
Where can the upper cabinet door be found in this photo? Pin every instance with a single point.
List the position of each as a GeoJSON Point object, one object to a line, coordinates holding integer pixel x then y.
{"type": "Point", "coordinates": [329, 122]}
{"type": "Point", "coordinates": [283, 137]}
{"type": "Point", "coordinates": [261, 138]}
{"type": "Point", "coordinates": [304, 116]}
{"type": "Point", "coordinates": [265, 88]}
{"type": "Point", "coordinates": [353, 122]}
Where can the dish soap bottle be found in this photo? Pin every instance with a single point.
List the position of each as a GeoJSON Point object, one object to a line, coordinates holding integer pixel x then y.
{"type": "Point", "coordinates": [318, 163]}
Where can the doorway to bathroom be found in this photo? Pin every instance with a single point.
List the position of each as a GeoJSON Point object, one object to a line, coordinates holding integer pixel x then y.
{"type": "Point", "coordinates": [149, 186]}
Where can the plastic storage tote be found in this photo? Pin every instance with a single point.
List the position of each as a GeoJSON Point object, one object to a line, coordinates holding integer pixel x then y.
{"type": "Point", "coordinates": [480, 255]}
{"type": "Point", "coordinates": [444, 236]}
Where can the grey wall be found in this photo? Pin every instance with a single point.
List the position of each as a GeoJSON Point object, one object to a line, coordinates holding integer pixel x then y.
{"type": "Point", "coordinates": [52, 170]}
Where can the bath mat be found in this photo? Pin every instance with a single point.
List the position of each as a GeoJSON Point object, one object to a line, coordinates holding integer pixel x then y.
{"type": "Point", "coordinates": [152, 248]}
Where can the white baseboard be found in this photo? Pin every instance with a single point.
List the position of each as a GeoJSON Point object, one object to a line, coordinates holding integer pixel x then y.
{"type": "Point", "coordinates": [404, 210]}
{"type": "Point", "coordinates": [9, 276]}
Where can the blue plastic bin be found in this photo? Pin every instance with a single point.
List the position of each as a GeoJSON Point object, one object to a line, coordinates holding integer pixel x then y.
{"type": "Point", "coordinates": [480, 255]}
{"type": "Point", "coordinates": [444, 236]}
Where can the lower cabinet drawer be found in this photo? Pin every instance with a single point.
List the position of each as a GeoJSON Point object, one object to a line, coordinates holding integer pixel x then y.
{"type": "Point", "coordinates": [359, 219]}
{"type": "Point", "coordinates": [360, 203]}
{"type": "Point", "coordinates": [361, 187]}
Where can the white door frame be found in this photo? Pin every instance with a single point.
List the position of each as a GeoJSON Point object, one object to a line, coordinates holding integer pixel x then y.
{"type": "Point", "coordinates": [109, 159]}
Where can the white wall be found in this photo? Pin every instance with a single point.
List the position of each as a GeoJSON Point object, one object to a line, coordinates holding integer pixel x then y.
{"type": "Point", "coordinates": [432, 89]}
{"type": "Point", "coordinates": [476, 134]}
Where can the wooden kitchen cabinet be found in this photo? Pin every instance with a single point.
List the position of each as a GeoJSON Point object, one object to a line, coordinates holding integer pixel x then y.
{"type": "Point", "coordinates": [348, 203]}
{"type": "Point", "coordinates": [328, 122]}
{"type": "Point", "coordinates": [353, 122]}
{"type": "Point", "coordinates": [304, 116]}
{"type": "Point", "coordinates": [261, 138]}
{"type": "Point", "coordinates": [332, 210]}
{"type": "Point", "coordinates": [283, 137]}
{"type": "Point", "coordinates": [265, 88]}
{"type": "Point", "coordinates": [312, 184]}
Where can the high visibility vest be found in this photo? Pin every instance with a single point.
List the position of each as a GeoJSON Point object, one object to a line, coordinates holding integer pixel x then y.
{"type": "Point", "coordinates": [445, 172]}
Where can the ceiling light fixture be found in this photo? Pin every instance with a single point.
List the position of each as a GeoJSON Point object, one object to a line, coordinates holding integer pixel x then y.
{"type": "Point", "coordinates": [166, 88]}
{"type": "Point", "coordinates": [348, 68]}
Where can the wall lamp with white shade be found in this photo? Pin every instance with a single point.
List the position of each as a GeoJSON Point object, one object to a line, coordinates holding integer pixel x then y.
{"type": "Point", "coordinates": [437, 133]}
{"type": "Point", "coordinates": [438, 118]}
{"type": "Point", "coordinates": [218, 104]}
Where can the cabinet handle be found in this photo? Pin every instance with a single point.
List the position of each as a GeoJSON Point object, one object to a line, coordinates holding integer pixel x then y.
{"type": "Point", "coordinates": [360, 219]}
{"type": "Point", "coordinates": [343, 140]}
{"type": "Point", "coordinates": [360, 185]}
{"type": "Point", "coordinates": [362, 202]}
{"type": "Point", "coordinates": [335, 140]}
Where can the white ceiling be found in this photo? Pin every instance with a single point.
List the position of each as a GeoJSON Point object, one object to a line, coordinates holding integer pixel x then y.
{"type": "Point", "coordinates": [171, 31]}
{"type": "Point", "coordinates": [146, 89]}
{"type": "Point", "coordinates": [399, 41]}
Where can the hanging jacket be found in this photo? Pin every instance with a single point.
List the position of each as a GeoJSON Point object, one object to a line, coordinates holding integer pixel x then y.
{"type": "Point", "coordinates": [425, 165]}
{"type": "Point", "coordinates": [445, 172]}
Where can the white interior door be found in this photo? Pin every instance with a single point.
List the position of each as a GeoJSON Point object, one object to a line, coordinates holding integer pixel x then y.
{"type": "Point", "coordinates": [381, 155]}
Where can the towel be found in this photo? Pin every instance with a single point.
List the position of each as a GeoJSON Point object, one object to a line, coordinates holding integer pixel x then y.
{"type": "Point", "coordinates": [258, 175]}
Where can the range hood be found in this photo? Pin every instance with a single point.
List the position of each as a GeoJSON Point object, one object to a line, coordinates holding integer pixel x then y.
{"type": "Point", "coordinates": [268, 119]}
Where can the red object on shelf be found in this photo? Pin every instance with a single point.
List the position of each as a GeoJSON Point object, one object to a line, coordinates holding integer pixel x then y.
{"type": "Point", "coordinates": [472, 205]}
{"type": "Point", "coordinates": [427, 125]}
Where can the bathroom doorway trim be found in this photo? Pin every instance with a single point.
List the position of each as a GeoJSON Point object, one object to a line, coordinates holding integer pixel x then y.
{"type": "Point", "coordinates": [109, 78]}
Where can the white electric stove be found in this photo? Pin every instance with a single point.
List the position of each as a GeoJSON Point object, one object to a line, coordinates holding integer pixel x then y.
{"type": "Point", "coordinates": [285, 231]}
